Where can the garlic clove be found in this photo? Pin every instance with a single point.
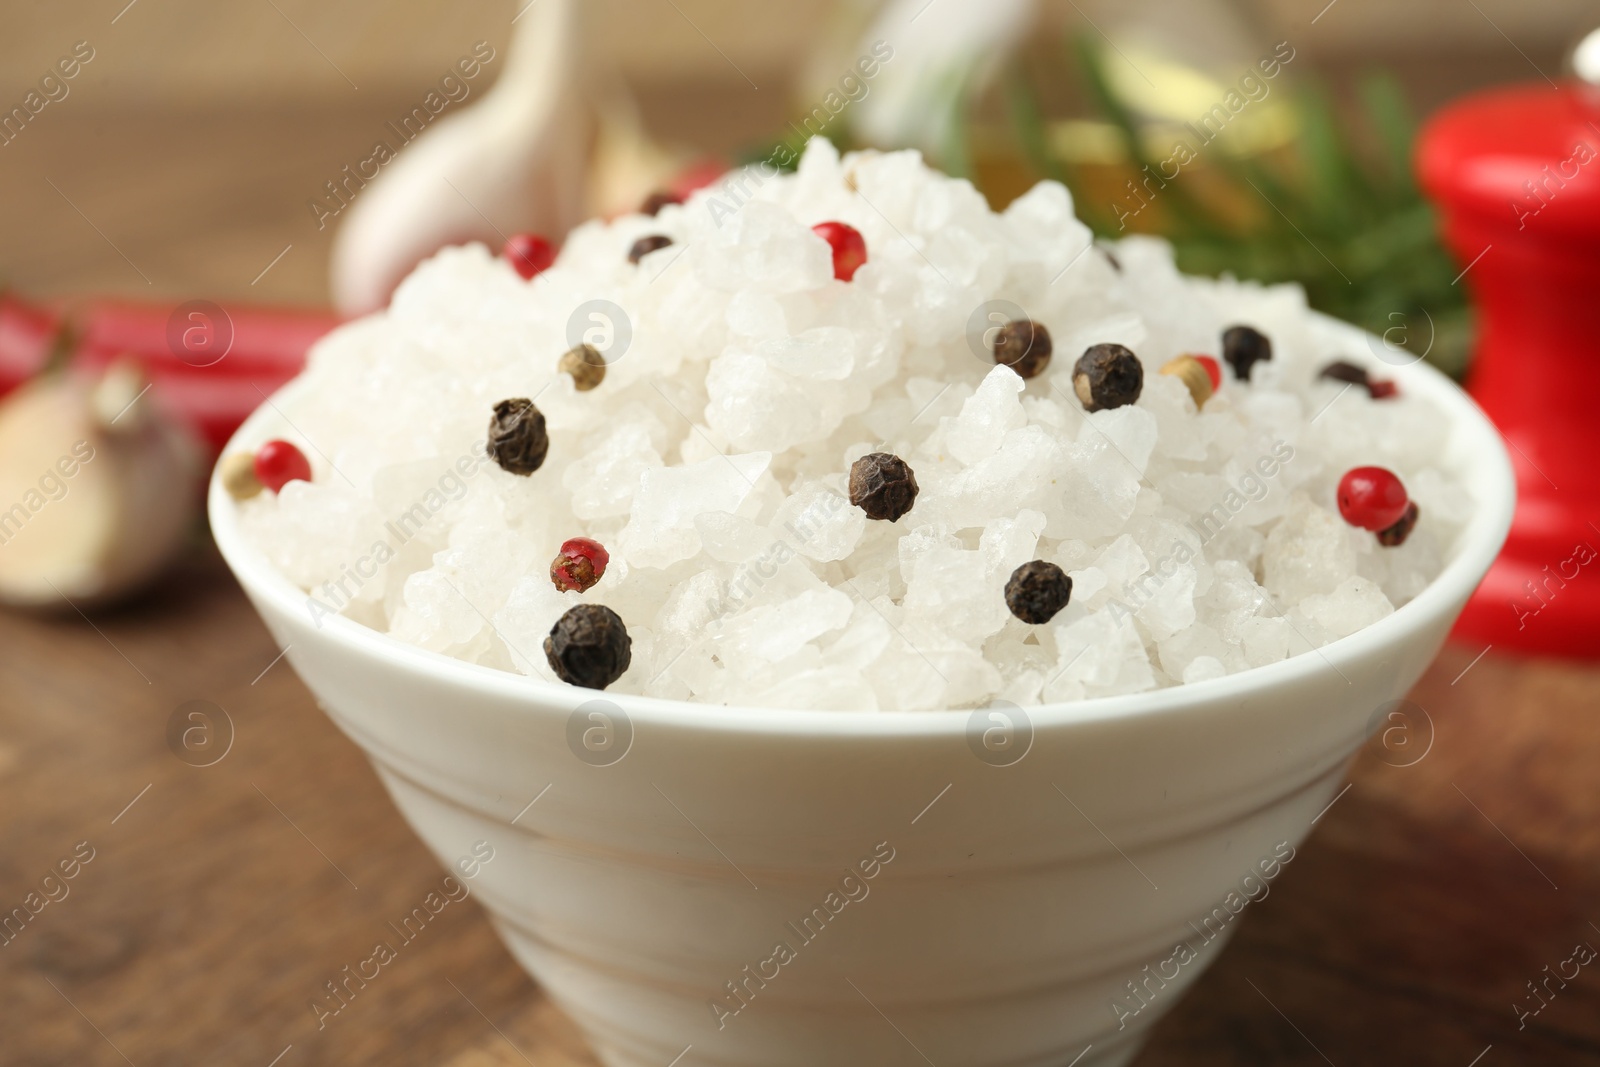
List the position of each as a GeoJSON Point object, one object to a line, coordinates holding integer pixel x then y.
{"type": "Point", "coordinates": [95, 498]}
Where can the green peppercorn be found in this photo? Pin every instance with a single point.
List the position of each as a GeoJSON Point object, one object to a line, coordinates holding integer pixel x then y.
{"type": "Point", "coordinates": [239, 475]}
{"type": "Point", "coordinates": [517, 437]}
{"type": "Point", "coordinates": [589, 646]}
{"type": "Point", "coordinates": [1192, 373]}
{"type": "Point", "coordinates": [1243, 347]}
{"type": "Point", "coordinates": [1024, 346]}
{"type": "Point", "coordinates": [1107, 376]}
{"type": "Point", "coordinates": [645, 245]}
{"type": "Point", "coordinates": [586, 365]}
{"type": "Point", "coordinates": [1037, 591]}
{"type": "Point", "coordinates": [883, 486]}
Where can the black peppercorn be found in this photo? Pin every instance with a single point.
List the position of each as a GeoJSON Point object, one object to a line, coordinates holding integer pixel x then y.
{"type": "Point", "coordinates": [1395, 535]}
{"type": "Point", "coordinates": [589, 646]}
{"type": "Point", "coordinates": [658, 200]}
{"type": "Point", "coordinates": [1342, 371]}
{"type": "Point", "coordinates": [1024, 346]}
{"type": "Point", "coordinates": [1036, 591]}
{"type": "Point", "coordinates": [645, 245]}
{"type": "Point", "coordinates": [1243, 347]}
{"type": "Point", "coordinates": [1107, 376]}
{"type": "Point", "coordinates": [883, 486]}
{"type": "Point", "coordinates": [517, 437]}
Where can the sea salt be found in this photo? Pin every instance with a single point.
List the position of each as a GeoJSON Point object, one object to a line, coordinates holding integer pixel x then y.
{"type": "Point", "coordinates": [713, 460]}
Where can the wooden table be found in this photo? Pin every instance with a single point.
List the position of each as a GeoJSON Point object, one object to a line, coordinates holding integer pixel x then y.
{"type": "Point", "coordinates": [219, 899]}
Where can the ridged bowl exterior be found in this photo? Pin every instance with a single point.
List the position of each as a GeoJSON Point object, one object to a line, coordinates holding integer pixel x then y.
{"type": "Point", "coordinates": [1011, 911]}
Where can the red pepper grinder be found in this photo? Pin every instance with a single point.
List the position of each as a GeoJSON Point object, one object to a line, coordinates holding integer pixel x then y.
{"type": "Point", "coordinates": [1516, 174]}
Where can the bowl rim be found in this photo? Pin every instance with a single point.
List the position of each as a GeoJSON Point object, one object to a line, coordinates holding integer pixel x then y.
{"type": "Point", "coordinates": [1493, 488]}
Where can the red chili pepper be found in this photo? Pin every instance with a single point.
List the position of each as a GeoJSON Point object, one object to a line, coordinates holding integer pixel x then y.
{"type": "Point", "coordinates": [214, 407]}
{"type": "Point", "coordinates": [28, 333]}
{"type": "Point", "coordinates": [210, 366]}
{"type": "Point", "coordinates": [200, 337]}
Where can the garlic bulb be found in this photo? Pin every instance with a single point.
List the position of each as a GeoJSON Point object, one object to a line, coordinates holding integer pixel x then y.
{"type": "Point", "coordinates": [516, 161]}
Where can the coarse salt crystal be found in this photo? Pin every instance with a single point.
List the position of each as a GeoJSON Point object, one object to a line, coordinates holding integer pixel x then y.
{"type": "Point", "coordinates": [743, 380]}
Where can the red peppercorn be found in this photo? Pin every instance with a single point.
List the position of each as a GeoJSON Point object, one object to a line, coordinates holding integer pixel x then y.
{"type": "Point", "coordinates": [278, 463]}
{"type": "Point", "coordinates": [530, 254]}
{"type": "Point", "coordinates": [1213, 371]}
{"type": "Point", "coordinates": [849, 247]}
{"type": "Point", "coordinates": [579, 565]}
{"type": "Point", "coordinates": [1372, 498]}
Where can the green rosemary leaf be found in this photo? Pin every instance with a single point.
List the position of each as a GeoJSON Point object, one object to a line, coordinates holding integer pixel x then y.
{"type": "Point", "coordinates": [1190, 217]}
{"type": "Point", "coordinates": [1335, 185]}
{"type": "Point", "coordinates": [956, 152]}
{"type": "Point", "coordinates": [1395, 125]}
{"type": "Point", "coordinates": [1032, 135]}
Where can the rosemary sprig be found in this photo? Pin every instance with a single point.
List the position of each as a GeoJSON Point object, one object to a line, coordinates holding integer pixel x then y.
{"type": "Point", "coordinates": [1339, 212]}
{"type": "Point", "coordinates": [1347, 223]}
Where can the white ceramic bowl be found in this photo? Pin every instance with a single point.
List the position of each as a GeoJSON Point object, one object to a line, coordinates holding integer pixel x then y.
{"type": "Point", "coordinates": [674, 846]}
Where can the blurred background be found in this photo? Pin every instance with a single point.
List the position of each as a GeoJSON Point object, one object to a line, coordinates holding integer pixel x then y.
{"type": "Point", "coordinates": [198, 132]}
